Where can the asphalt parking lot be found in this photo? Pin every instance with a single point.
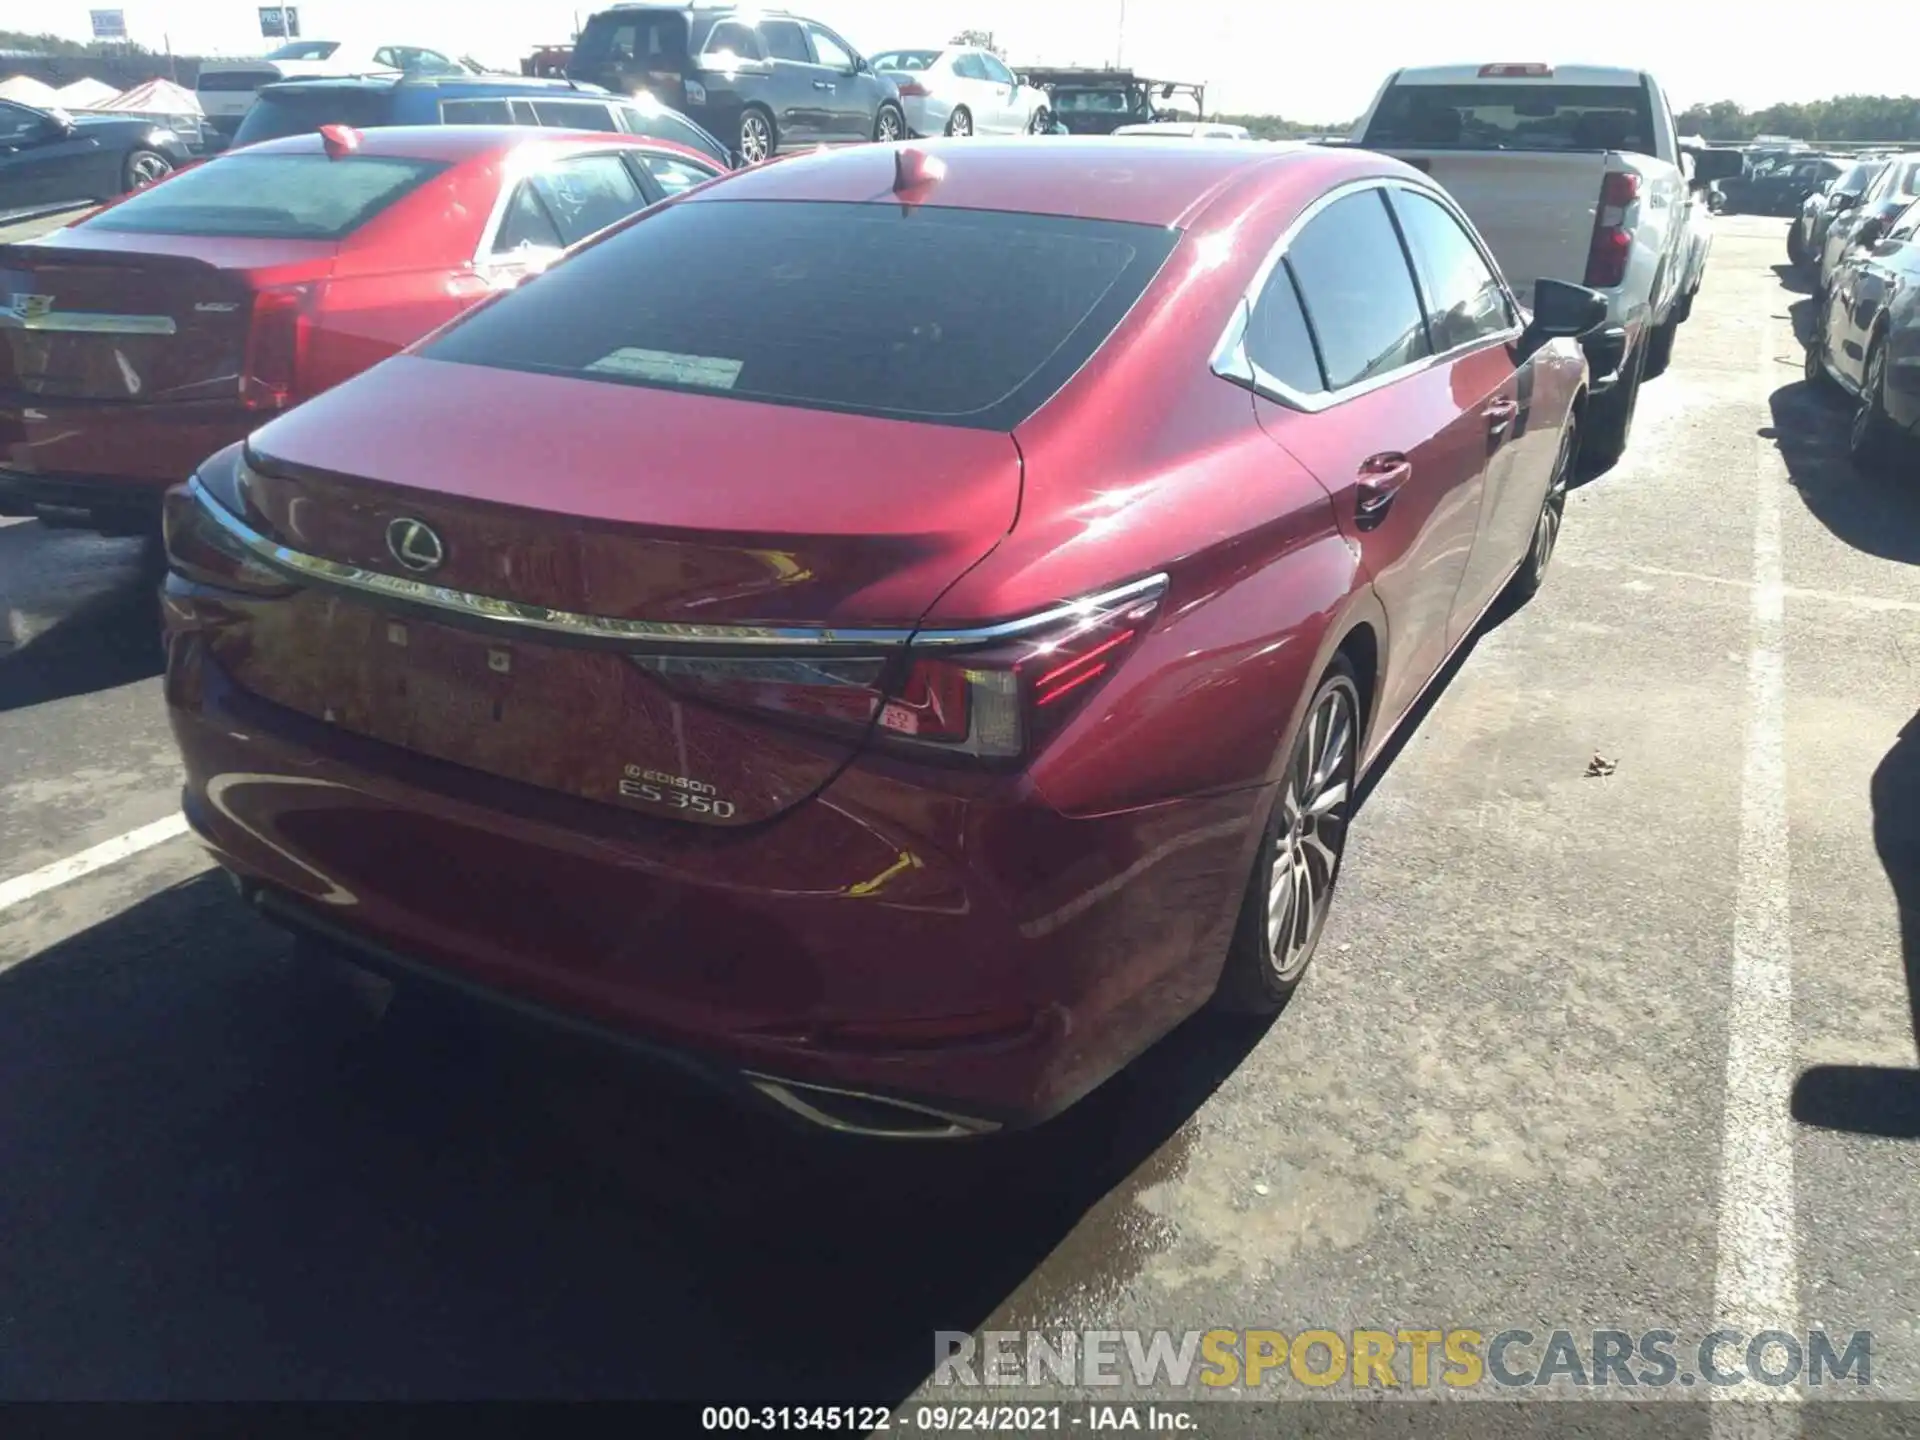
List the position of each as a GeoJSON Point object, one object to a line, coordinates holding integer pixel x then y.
{"type": "Point", "coordinates": [1628, 1050]}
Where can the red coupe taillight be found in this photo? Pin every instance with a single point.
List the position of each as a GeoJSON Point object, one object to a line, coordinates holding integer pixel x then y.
{"type": "Point", "coordinates": [1612, 243]}
{"type": "Point", "coordinates": [276, 344]}
{"type": "Point", "coordinates": [996, 702]}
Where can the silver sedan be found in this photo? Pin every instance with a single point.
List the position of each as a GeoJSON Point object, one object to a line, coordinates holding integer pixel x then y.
{"type": "Point", "coordinates": [961, 91]}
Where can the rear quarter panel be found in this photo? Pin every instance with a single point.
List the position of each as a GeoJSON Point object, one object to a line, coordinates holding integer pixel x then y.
{"type": "Point", "coordinates": [1149, 462]}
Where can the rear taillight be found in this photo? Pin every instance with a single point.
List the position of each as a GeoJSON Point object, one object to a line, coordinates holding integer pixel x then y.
{"type": "Point", "coordinates": [993, 702]}
{"type": "Point", "coordinates": [276, 344]}
{"type": "Point", "coordinates": [1612, 245]}
{"type": "Point", "coordinates": [201, 549]}
{"type": "Point", "coordinates": [913, 90]}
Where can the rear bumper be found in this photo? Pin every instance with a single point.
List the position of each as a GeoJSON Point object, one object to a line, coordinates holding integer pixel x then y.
{"type": "Point", "coordinates": [965, 955]}
{"type": "Point", "coordinates": [108, 454]}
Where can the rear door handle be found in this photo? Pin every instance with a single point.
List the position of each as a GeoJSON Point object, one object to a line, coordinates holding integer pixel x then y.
{"type": "Point", "coordinates": [1500, 415]}
{"type": "Point", "coordinates": [1379, 481]}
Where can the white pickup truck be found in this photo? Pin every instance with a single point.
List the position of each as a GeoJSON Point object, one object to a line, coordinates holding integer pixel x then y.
{"type": "Point", "coordinates": [1573, 172]}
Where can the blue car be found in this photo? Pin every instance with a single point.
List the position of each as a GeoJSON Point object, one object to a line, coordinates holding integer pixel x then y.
{"type": "Point", "coordinates": [294, 107]}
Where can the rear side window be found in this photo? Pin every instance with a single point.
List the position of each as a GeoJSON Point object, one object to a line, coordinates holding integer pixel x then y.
{"type": "Point", "coordinates": [671, 173]}
{"type": "Point", "coordinates": [962, 317]}
{"type": "Point", "coordinates": [1465, 303]}
{"type": "Point", "coordinates": [829, 51]}
{"type": "Point", "coordinates": [1358, 291]}
{"type": "Point", "coordinates": [785, 40]}
{"type": "Point", "coordinates": [1278, 340]}
{"type": "Point", "coordinates": [526, 224]}
{"type": "Point", "coordinates": [1515, 115]}
{"type": "Point", "coordinates": [968, 67]}
{"type": "Point", "coordinates": [296, 112]}
{"type": "Point", "coordinates": [734, 37]}
{"type": "Point", "coordinates": [476, 112]}
{"type": "Point", "coordinates": [295, 197]}
{"type": "Point", "coordinates": [574, 115]}
{"type": "Point", "coordinates": [645, 41]}
{"type": "Point", "coordinates": [906, 60]}
{"type": "Point", "coordinates": [588, 193]}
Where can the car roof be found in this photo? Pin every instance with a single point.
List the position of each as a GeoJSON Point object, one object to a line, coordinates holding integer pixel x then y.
{"type": "Point", "coordinates": [451, 142]}
{"type": "Point", "coordinates": [494, 84]}
{"type": "Point", "coordinates": [1097, 177]}
{"type": "Point", "coordinates": [1560, 75]}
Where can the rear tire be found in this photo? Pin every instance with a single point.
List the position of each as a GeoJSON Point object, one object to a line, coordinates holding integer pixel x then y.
{"type": "Point", "coordinates": [759, 140]}
{"type": "Point", "coordinates": [960, 123]}
{"type": "Point", "coordinates": [1610, 418]}
{"type": "Point", "coordinates": [1298, 861]}
{"type": "Point", "coordinates": [889, 125]}
{"type": "Point", "coordinates": [1873, 441]}
{"type": "Point", "coordinates": [1546, 528]}
{"type": "Point", "coordinates": [1814, 369]}
{"type": "Point", "coordinates": [1660, 347]}
{"type": "Point", "coordinates": [1796, 247]}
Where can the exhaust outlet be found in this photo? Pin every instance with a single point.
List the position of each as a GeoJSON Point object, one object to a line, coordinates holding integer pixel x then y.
{"type": "Point", "coordinates": [850, 1112]}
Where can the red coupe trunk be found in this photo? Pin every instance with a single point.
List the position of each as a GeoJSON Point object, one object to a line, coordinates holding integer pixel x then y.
{"type": "Point", "coordinates": [608, 503]}
{"type": "Point", "coordinates": [119, 323]}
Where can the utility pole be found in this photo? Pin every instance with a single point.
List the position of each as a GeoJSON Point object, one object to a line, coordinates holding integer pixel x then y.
{"type": "Point", "coordinates": [1120, 40]}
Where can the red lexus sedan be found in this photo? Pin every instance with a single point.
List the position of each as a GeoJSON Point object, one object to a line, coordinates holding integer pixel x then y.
{"type": "Point", "coordinates": [896, 631]}
{"type": "Point", "coordinates": [162, 327]}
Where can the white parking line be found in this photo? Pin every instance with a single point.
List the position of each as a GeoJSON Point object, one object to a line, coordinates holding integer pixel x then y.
{"type": "Point", "coordinates": [108, 852]}
{"type": "Point", "coordinates": [1757, 1284]}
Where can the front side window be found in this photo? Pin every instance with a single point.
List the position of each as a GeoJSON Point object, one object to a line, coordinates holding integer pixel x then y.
{"type": "Point", "coordinates": [951, 316]}
{"type": "Point", "coordinates": [1465, 301]}
{"type": "Point", "coordinates": [1358, 291]}
{"type": "Point", "coordinates": [829, 51]}
{"type": "Point", "coordinates": [19, 125]}
{"type": "Point", "coordinates": [294, 197]}
{"type": "Point", "coordinates": [968, 67]}
{"type": "Point", "coordinates": [996, 72]}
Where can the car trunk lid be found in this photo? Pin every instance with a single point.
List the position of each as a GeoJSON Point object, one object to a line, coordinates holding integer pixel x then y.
{"type": "Point", "coordinates": [136, 318]}
{"type": "Point", "coordinates": [577, 525]}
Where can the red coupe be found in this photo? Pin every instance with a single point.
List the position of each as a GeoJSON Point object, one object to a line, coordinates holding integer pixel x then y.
{"type": "Point", "coordinates": [896, 631]}
{"type": "Point", "coordinates": [171, 323]}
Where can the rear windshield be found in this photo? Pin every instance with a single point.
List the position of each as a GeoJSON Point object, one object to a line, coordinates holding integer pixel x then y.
{"type": "Point", "coordinates": [305, 50]}
{"type": "Point", "coordinates": [295, 112]}
{"type": "Point", "coordinates": [270, 197]}
{"type": "Point", "coordinates": [1098, 102]}
{"type": "Point", "coordinates": [1514, 116]}
{"type": "Point", "coordinates": [961, 317]}
{"type": "Point", "coordinates": [647, 40]}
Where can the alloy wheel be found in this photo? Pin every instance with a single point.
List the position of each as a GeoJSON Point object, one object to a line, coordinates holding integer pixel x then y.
{"type": "Point", "coordinates": [961, 124]}
{"type": "Point", "coordinates": [756, 139]}
{"type": "Point", "coordinates": [148, 167]}
{"type": "Point", "coordinates": [1314, 806]}
{"type": "Point", "coordinates": [888, 128]}
{"type": "Point", "coordinates": [1553, 510]}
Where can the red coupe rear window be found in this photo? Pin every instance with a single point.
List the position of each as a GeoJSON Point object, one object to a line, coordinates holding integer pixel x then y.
{"type": "Point", "coordinates": [270, 197]}
{"type": "Point", "coordinates": [961, 317]}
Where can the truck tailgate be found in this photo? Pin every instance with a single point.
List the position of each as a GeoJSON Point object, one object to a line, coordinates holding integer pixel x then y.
{"type": "Point", "coordinates": [1535, 209]}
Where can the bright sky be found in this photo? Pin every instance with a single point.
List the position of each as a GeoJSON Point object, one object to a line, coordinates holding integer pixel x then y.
{"type": "Point", "coordinates": [1316, 64]}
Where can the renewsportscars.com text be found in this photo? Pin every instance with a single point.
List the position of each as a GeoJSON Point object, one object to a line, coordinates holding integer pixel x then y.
{"type": "Point", "coordinates": [1399, 1359]}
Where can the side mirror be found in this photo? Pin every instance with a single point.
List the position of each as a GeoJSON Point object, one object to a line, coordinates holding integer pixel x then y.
{"type": "Point", "coordinates": [60, 125]}
{"type": "Point", "coordinates": [1712, 165]}
{"type": "Point", "coordinates": [1561, 310]}
{"type": "Point", "coordinates": [1841, 200]}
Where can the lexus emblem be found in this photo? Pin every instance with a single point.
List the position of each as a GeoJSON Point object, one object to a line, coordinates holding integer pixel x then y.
{"type": "Point", "coordinates": [414, 545]}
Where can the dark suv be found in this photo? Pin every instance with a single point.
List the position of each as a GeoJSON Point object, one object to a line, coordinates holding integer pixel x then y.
{"type": "Point", "coordinates": [762, 80]}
